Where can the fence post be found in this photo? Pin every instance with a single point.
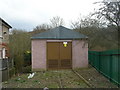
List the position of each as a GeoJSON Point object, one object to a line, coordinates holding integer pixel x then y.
{"type": "Point", "coordinates": [110, 68]}
{"type": "Point", "coordinates": [12, 63]}
{"type": "Point", "coordinates": [118, 70]}
{"type": "Point", "coordinates": [8, 67]}
{"type": "Point", "coordinates": [99, 60]}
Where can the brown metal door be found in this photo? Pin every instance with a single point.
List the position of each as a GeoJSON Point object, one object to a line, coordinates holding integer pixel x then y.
{"type": "Point", "coordinates": [65, 56]}
{"type": "Point", "coordinates": [58, 56]}
{"type": "Point", "coordinates": [52, 55]}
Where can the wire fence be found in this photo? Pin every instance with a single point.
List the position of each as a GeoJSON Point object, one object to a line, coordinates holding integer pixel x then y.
{"type": "Point", "coordinates": [107, 63]}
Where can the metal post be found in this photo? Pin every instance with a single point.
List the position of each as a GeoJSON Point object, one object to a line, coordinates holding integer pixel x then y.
{"type": "Point", "coordinates": [12, 63]}
{"type": "Point", "coordinates": [118, 69]}
{"type": "Point", "coordinates": [99, 60]}
{"type": "Point", "coordinates": [110, 67]}
{"type": "Point", "coordinates": [8, 67]}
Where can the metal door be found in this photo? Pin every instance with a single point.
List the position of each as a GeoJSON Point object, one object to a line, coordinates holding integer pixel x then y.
{"type": "Point", "coordinates": [58, 56]}
{"type": "Point", "coordinates": [65, 56]}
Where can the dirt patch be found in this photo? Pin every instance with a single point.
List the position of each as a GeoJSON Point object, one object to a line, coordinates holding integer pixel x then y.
{"type": "Point", "coordinates": [70, 80]}
{"type": "Point", "coordinates": [60, 79]}
{"type": "Point", "coordinates": [40, 80]}
{"type": "Point", "coordinates": [96, 79]}
{"type": "Point", "coordinates": [49, 79]}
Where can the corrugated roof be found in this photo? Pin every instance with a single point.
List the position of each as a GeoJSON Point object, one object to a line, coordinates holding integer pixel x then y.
{"type": "Point", "coordinates": [60, 33]}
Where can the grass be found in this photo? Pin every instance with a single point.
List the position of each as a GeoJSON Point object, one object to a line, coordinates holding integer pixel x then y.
{"type": "Point", "coordinates": [95, 78]}
{"type": "Point", "coordinates": [58, 79]}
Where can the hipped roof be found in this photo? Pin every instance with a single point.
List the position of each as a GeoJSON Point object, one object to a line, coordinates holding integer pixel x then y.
{"type": "Point", "coordinates": [59, 33]}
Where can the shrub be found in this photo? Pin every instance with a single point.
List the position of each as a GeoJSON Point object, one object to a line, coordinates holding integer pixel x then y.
{"type": "Point", "coordinates": [26, 69]}
{"type": "Point", "coordinates": [27, 58]}
{"type": "Point", "coordinates": [11, 72]}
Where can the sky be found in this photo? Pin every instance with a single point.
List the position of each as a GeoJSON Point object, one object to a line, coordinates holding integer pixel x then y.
{"type": "Point", "coordinates": [27, 14]}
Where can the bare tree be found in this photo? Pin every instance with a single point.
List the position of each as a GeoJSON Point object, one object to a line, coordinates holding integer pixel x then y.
{"type": "Point", "coordinates": [56, 21]}
{"type": "Point", "coordinates": [41, 28]}
{"type": "Point", "coordinates": [110, 11]}
{"type": "Point", "coordinates": [88, 21]}
{"type": "Point", "coordinates": [100, 37]}
{"type": "Point", "coordinates": [76, 24]}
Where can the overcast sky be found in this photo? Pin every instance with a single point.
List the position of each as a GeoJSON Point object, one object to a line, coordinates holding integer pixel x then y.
{"type": "Point", "coordinates": [27, 14]}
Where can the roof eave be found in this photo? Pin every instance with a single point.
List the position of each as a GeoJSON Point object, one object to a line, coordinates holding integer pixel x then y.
{"type": "Point", "coordinates": [58, 38]}
{"type": "Point", "coordinates": [5, 23]}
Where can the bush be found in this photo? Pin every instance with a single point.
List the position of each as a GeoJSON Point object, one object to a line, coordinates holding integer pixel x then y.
{"type": "Point", "coordinates": [26, 69]}
{"type": "Point", "coordinates": [27, 58]}
{"type": "Point", "coordinates": [11, 72]}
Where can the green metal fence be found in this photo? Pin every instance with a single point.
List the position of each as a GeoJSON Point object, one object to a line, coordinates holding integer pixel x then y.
{"type": "Point", "coordinates": [107, 63]}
